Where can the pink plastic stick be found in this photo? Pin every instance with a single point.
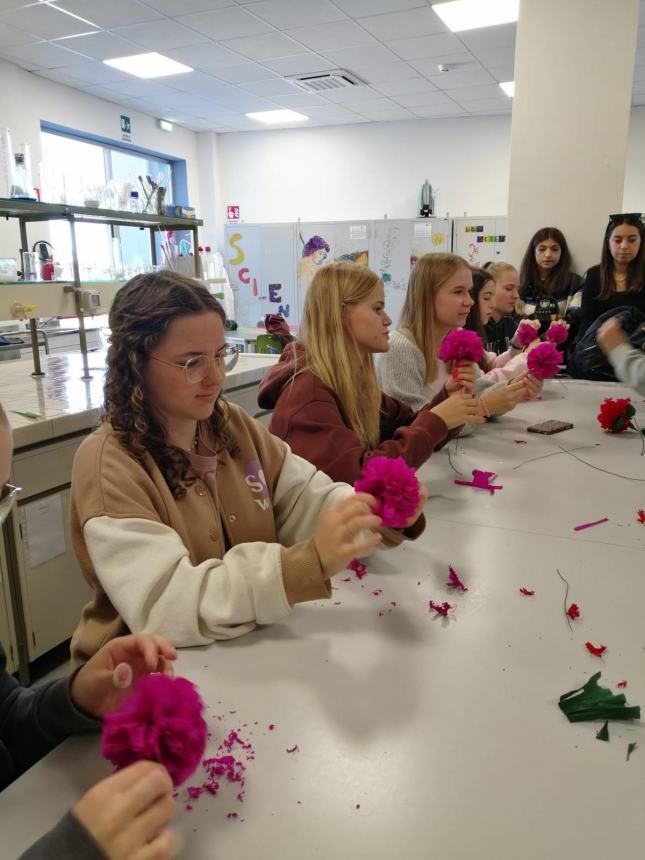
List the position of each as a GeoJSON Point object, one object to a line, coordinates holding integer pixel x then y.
{"type": "Point", "coordinates": [589, 525]}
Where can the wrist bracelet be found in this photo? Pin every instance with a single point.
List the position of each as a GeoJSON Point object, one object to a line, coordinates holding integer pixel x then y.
{"type": "Point", "coordinates": [518, 348]}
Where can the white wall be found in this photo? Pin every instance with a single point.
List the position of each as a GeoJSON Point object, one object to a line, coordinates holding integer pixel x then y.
{"type": "Point", "coordinates": [26, 99]}
{"type": "Point", "coordinates": [634, 194]}
{"type": "Point", "coordinates": [367, 170]}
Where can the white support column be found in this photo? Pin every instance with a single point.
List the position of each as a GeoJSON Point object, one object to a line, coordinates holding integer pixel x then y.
{"type": "Point", "coordinates": [574, 65]}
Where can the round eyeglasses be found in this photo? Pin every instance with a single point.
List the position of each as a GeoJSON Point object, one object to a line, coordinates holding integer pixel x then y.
{"type": "Point", "coordinates": [8, 496]}
{"type": "Point", "coordinates": [198, 367]}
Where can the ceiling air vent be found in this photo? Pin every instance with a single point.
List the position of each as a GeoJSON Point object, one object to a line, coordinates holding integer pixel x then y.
{"type": "Point", "coordinates": [318, 82]}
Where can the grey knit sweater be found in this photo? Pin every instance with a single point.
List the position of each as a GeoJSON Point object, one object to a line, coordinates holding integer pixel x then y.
{"type": "Point", "coordinates": [402, 372]}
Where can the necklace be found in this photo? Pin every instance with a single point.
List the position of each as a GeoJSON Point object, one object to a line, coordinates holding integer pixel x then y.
{"type": "Point", "coordinates": [193, 448]}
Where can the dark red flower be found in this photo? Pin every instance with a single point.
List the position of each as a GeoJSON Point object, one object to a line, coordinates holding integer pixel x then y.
{"type": "Point", "coordinates": [573, 611]}
{"type": "Point", "coordinates": [615, 415]}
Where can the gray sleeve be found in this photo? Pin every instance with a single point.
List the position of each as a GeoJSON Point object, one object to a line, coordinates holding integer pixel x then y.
{"type": "Point", "coordinates": [402, 372]}
{"type": "Point", "coordinates": [629, 366]}
{"type": "Point", "coordinates": [68, 839]}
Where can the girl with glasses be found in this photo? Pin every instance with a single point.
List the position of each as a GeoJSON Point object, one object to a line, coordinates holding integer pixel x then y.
{"type": "Point", "coordinates": [619, 280]}
{"type": "Point", "coordinates": [188, 518]}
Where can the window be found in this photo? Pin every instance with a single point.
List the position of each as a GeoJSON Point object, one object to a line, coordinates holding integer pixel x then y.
{"type": "Point", "coordinates": [77, 171]}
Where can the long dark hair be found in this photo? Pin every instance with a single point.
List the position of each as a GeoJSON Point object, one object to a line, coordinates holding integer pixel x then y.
{"type": "Point", "coordinates": [635, 270]}
{"type": "Point", "coordinates": [481, 277]}
{"type": "Point", "coordinates": [139, 318]}
{"type": "Point", "coordinates": [557, 280]}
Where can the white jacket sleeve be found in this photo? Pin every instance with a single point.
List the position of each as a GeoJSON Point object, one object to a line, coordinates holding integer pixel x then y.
{"type": "Point", "coordinates": [145, 568]}
{"type": "Point", "coordinates": [629, 366]}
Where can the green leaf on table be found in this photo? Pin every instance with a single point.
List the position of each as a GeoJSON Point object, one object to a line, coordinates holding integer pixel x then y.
{"type": "Point", "coordinates": [593, 702]}
{"type": "Point", "coordinates": [630, 749]}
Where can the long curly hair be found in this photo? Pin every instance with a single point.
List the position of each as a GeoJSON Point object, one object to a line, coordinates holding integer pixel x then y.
{"type": "Point", "coordinates": [139, 318]}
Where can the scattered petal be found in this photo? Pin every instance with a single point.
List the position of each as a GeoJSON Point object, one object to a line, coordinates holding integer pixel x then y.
{"type": "Point", "coordinates": [573, 611]}
{"type": "Point", "coordinates": [271, 726]}
{"type": "Point", "coordinates": [440, 608]}
{"type": "Point", "coordinates": [377, 592]}
{"type": "Point", "coordinates": [640, 515]}
{"type": "Point", "coordinates": [597, 651]}
{"type": "Point", "coordinates": [293, 749]}
{"type": "Point", "coordinates": [520, 442]}
{"type": "Point", "coordinates": [622, 684]}
{"type": "Point", "coordinates": [526, 592]}
{"type": "Point", "coordinates": [454, 581]}
{"type": "Point", "coordinates": [358, 567]}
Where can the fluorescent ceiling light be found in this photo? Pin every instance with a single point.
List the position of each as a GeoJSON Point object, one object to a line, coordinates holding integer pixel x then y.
{"type": "Point", "coordinates": [509, 88]}
{"type": "Point", "coordinates": [461, 15]}
{"type": "Point", "coordinates": [150, 65]}
{"type": "Point", "coordinates": [276, 116]}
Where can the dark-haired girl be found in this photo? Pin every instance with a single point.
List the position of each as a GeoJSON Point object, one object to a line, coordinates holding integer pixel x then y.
{"type": "Point", "coordinates": [619, 280]}
{"type": "Point", "coordinates": [549, 290]}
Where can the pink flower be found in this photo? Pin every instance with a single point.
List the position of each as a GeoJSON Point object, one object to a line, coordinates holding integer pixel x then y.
{"type": "Point", "coordinates": [525, 334]}
{"type": "Point", "coordinates": [461, 344]}
{"type": "Point", "coordinates": [544, 361]}
{"type": "Point", "coordinates": [395, 487]}
{"type": "Point", "coordinates": [160, 720]}
{"type": "Point", "coordinates": [557, 333]}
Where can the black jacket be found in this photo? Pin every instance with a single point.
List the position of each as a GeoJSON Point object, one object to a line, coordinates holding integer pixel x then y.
{"type": "Point", "coordinates": [499, 334]}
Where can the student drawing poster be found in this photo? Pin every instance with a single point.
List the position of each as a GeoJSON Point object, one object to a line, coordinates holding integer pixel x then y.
{"type": "Point", "coordinates": [261, 267]}
{"type": "Point", "coordinates": [331, 242]}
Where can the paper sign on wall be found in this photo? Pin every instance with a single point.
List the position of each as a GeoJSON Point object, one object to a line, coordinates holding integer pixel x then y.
{"type": "Point", "coordinates": [358, 232]}
{"type": "Point", "coordinates": [43, 529]}
{"type": "Point", "coordinates": [422, 230]}
{"type": "Point", "coordinates": [233, 212]}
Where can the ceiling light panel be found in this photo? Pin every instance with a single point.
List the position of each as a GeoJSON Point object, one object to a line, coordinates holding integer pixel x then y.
{"type": "Point", "coordinates": [460, 15]}
{"type": "Point", "coordinates": [151, 65]}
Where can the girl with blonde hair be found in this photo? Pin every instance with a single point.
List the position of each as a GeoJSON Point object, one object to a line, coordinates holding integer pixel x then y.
{"type": "Point", "coordinates": [324, 391]}
{"type": "Point", "coordinates": [438, 301]}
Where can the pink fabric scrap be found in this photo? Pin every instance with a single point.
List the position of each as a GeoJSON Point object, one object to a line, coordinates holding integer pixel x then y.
{"type": "Point", "coordinates": [481, 481]}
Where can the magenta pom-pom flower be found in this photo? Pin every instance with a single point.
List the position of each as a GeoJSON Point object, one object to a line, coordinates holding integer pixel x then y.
{"type": "Point", "coordinates": [161, 720]}
{"type": "Point", "coordinates": [395, 487]}
{"type": "Point", "coordinates": [525, 334]}
{"type": "Point", "coordinates": [544, 361]}
{"type": "Point", "coordinates": [557, 333]}
{"type": "Point", "coordinates": [462, 345]}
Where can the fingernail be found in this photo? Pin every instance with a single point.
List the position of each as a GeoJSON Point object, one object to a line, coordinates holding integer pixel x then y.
{"type": "Point", "coordinates": [122, 676]}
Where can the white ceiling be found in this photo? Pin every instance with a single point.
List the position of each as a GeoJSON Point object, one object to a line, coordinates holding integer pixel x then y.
{"type": "Point", "coordinates": [243, 49]}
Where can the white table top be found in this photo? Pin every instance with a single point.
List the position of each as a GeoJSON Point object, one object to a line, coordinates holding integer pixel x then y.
{"type": "Point", "coordinates": [69, 404]}
{"type": "Point", "coordinates": [420, 737]}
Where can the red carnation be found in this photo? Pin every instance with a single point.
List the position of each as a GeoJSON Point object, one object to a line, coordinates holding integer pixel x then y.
{"type": "Point", "coordinates": [615, 415]}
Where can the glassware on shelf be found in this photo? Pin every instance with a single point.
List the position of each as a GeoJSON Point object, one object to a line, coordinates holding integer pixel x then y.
{"type": "Point", "coordinates": [17, 167]}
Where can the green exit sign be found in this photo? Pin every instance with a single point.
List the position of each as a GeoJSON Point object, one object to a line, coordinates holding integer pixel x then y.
{"type": "Point", "coordinates": [125, 127]}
